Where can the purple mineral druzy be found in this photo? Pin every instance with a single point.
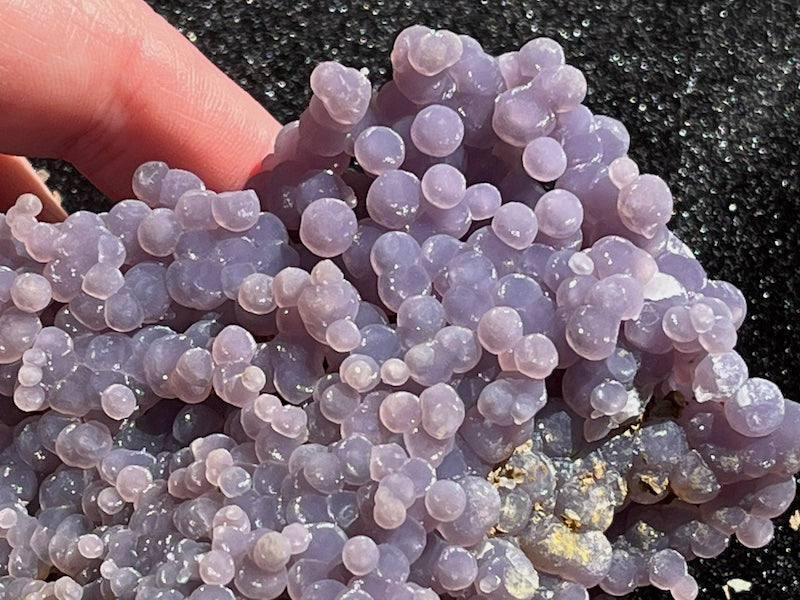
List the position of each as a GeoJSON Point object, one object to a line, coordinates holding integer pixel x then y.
{"type": "Point", "coordinates": [445, 347]}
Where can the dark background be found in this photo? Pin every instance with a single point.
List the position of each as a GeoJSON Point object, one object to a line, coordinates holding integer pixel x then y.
{"type": "Point", "coordinates": [709, 92]}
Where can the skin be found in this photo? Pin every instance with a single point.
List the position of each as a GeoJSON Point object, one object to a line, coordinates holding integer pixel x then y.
{"type": "Point", "coordinates": [108, 85]}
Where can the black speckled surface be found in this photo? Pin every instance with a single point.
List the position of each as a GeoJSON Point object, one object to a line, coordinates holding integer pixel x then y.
{"type": "Point", "coordinates": [709, 91]}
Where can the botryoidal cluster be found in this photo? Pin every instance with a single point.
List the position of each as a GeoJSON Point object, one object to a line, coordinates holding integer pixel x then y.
{"type": "Point", "coordinates": [445, 347]}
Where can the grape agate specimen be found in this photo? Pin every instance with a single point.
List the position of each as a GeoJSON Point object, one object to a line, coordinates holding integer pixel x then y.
{"type": "Point", "coordinates": [443, 346]}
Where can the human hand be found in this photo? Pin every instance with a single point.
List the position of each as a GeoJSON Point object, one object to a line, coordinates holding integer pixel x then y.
{"type": "Point", "coordinates": [108, 85]}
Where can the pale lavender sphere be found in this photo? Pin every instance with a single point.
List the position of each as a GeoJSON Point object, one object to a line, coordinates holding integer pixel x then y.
{"type": "Point", "coordinates": [394, 372]}
{"type": "Point", "coordinates": [520, 116]}
{"type": "Point", "coordinates": [102, 281]}
{"type": "Point", "coordinates": [289, 421]}
{"type": "Point", "coordinates": [345, 92]}
{"type": "Point", "coordinates": [343, 335]}
{"type": "Point", "coordinates": [755, 531]}
{"type": "Point", "coordinates": [29, 375]}
{"type": "Point", "coordinates": [702, 317]}
{"type": "Point", "coordinates": [622, 295]}
{"type": "Point", "coordinates": [756, 409]}
{"type": "Point", "coordinates": [158, 232]}
{"type": "Point", "coordinates": [234, 482]}
{"type": "Point", "coordinates": [338, 402]}
{"type": "Point", "coordinates": [442, 411]}
{"type": "Point", "coordinates": [217, 461]}
{"type": "Point", "coordinates": [443, 186]}
{"type": "Point", "coordinates": [379, 149]}
{"type": "Point", "coordinates": [666, 569]}
{"type": "Point", "coordinates": [685, 589]}
{"type": "Point", "coordinates": [623, 171]}
{"type": "Point", "coordinates": [437, 131]}
{"type": "Point", "coordinates": [645, 204]}
{"type": "Point", "coordinates": [499, 329]}
{"type": "Point", "coordinates": [193, 210]}
{"type": "Point", "coordinates": [40, 244]}
{"type": "Point", "coordinates": [66, 588]}
{"type": "Point", "coordinates": [400, 412]}
{"type": "Point", "coordinates": [288, 285]}
{"type": "Point", "coordinates": [456, 569]}
{"type": "Point", "coordinates": [677, 324]}
{"type": "Point", "coordinates": [109, 502]}
{"type": "Point", "coordinates": [393, 250]}
{"type": "Point", "coordinates": [327, 227]}
{"type": "Point", "coordinates": [445, 501]}
{"type": "Point", "coordinates": [515, 224]}
{"type": "Point", "coordinates": [389, 512]}
{"type": "Point", "coordinates": [233, 344]}
{"type": "Point", "coordinates": [90, 545]}
{"type": "Point", "coordinates": [393, 199]}
{"type": "Point", "coordinates": [216, 567]}
{"type": "Point", "coordinates": [31, 292]}
{"type": "Point", "coordinates": [535, 355]}
{"type": "Point", "coordinates": [173, 184]}
{"type": "Point", "coordinates": [360, 555]}
{"type": "Point", "coordinates": [613, 135]}
{"type": "Point", "coordinates": [564, 87]}
{"type": "Point", "coordinates": [148, 179]}
{"type": "Point", "coordinates": [272, 550]}
{"type": "Point", "coordinates": [544, 159]}
{"type": "Point", "coordinates": [83, 445]}
{"type": "Point", "coordinates": [592, 332]}
{"type": "Point", "coordinates": [719, 376]}
{"type": "Point", "coordinates": [118, 401]}
{"type": "Point", "coordinates": [110, 251]}
{"type": "Point", "coordinates": [360, 372]}
{"type": "Point", "coordinates": [609, 397]}
{"type": "Point", "coordinates": [559, 213]}
{"type": "Point", "coordinates": [132, 481]}
{"type": "Point", "coordinates": [255, 294]}
{"type": "Point", "coordinates": [483, 200]}
{"type": "Point", "coordinates": [510, 69]}
{"type": "Point", "coordinates": [622, 576]}
{"type": "Point", "coordinates": [434, 52]}
{"type": "Point", "coordinates": [235, 211]}
{"type": "Point", "coordinates": [540, 53]}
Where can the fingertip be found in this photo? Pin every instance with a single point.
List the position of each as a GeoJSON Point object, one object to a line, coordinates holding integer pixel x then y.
{"type": "Point", "coordinates": [114, 85]}
{"type": "Point", "coordinates": [178, 107]}
{"type": "Point", "coordinates": [19, 177]}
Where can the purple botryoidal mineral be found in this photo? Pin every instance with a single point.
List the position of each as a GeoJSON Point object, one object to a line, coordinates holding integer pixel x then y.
{"type": "Point", "coordinates": [445, 346]}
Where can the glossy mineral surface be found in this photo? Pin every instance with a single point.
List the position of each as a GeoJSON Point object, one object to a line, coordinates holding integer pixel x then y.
{"type": "Point", "coordinates": [472, 363]}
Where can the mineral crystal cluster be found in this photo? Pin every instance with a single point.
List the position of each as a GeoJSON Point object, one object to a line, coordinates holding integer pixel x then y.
{"type": "Point", "coordinates": [444, 346]}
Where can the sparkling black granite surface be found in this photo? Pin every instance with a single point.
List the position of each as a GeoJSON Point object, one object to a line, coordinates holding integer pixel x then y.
{"type": "Point", "coordinates": [710, 93]}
